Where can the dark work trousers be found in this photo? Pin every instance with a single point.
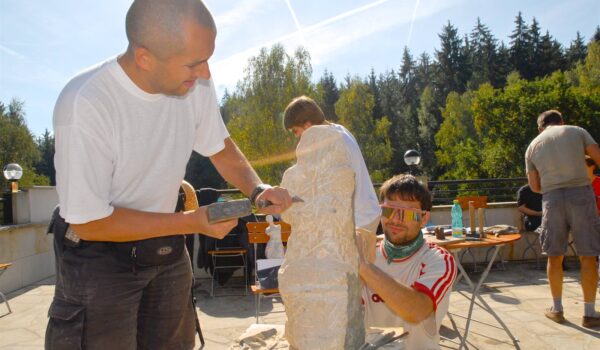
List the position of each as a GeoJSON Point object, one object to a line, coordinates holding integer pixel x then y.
{"type": "Point", "coordinates": [101, 303]}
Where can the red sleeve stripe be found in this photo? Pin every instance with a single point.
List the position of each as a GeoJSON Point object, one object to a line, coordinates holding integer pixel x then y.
{"type": "Point", "coordinates": [423, 289]}
{"type": "Point", "coordinates": [440, 292]}
{"type": "Point", "coordinates": [441, 286]}
{"type": "Point", "coordinates": [449, 267]}
{"type": "Point", "coordinates": [445, 282]}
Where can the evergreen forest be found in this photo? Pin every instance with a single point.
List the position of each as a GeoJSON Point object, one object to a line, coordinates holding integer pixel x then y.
{"type": "Point", "coordinates": [469, 108]}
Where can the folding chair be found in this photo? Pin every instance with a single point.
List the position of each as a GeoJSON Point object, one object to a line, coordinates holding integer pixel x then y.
{"type": "Point", "coordinates": [3, 268]}
{"type": "Point", "coordinates": [227, 251]}
{"type": "Point", "coordinates": [257, 235]}
{"type": "Point", "coordinates": [531, 238]}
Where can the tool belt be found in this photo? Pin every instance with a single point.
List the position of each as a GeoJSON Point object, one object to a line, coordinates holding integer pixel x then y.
{"type": "Point", "coordinates": [143, 253]}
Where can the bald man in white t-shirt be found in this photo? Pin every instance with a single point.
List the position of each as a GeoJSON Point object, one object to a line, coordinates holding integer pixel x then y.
{"type": "Point", "coordinates": [124, 132]}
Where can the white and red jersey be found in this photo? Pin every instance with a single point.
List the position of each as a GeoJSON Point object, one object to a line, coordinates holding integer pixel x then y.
{"type": "Point", "coordinates": [430, 270]}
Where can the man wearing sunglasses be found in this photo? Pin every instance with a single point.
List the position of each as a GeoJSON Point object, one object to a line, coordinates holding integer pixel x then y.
{"type": "Point", "coordinates": [408, 283]}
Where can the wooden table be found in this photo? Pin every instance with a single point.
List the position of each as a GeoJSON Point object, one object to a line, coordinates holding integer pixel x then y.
{"type": "Point", "coordinates": [489, 241]}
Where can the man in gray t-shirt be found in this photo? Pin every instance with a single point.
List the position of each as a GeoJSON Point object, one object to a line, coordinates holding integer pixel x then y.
{"type": "Point", "coordinates": [555, 165]}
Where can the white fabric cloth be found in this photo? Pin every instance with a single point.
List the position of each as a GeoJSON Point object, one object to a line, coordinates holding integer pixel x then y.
{"type": "Point", "coordinates": [366, 204]}
{"type": "Point", "coordinates": [430, 270]}
{"type": "Point", "coordinates": [118, 146]}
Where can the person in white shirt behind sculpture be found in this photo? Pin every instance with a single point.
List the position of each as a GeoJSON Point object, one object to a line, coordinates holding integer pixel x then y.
{"type": "Point", "coordinates": [408, 281]}
{"type": "Point", "coordinates": [302, 113]}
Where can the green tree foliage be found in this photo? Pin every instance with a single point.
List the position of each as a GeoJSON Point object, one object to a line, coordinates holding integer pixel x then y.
{"type": "Point", "coordinates": [272, 79]}
{"type": "Point", "coordinates": [45, 165]}
{"type": "Point", "coordinates": [354, 110]}
{"type": "Point", "coordinates": [458, 144]}
{"type": "Point", "coordinates": [550, 57]}
{"type": "Point", "coordinates": [327, 95]}
{"type": "Point", "coordinates": [576, 52]}
{"type": "Point", "coordinates": [520, 52]}
{"type": "Point", "coordinates": [377, 112]}
{"type": "Point", "coordinates": [485, 132]}
{"type": "Point", "coordinates": [453, 71]}
{"type": "Point", "coordinates": [17, 144]}
{"type": "Point", "coordinates": [596, 36]}
{"type": "Point", "coordinates": [428, 127]}
{"type": "Point", "coordinates": [490, 63]}
{"type": "Point", "coordinates": [424, 72]}
{"type": "Point", "coordinates": [586, 75]}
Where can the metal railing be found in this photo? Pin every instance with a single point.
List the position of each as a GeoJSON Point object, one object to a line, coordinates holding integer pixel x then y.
{"type": "Point", "coordinates": [444, 191]}
{"type": "Point", "coordinates": [497, 190]}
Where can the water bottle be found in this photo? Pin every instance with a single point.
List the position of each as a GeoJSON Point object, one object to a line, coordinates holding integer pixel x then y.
{"type": "Point", "coordinates": [457, 222]}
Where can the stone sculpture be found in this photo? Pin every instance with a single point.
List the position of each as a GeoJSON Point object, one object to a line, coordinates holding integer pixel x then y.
{"type": "Point", "coordinates": [319, 279]}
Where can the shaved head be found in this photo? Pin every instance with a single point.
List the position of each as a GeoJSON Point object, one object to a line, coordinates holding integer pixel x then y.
{"type": "Point", "coordinates": [158, 25]}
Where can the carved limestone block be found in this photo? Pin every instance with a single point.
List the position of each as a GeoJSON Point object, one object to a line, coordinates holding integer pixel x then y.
{"type": "Point", "coordinates": [319, 279]}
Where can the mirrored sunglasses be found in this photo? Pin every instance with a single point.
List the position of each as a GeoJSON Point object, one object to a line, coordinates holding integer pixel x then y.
{"type": "Point", "coordinates": [403, 214]}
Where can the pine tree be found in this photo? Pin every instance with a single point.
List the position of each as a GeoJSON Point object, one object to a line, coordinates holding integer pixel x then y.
{"type": "Point", "coordinates": [45, 166]}
{"type": "Point", "coordinates": [503, 66]}
{"type": "Point", "coordinates": [576, 52]}
{"type": "Point", "coordinates": [596, 36]}
{"type": "Point", "coordinates": [372, 82]}
{"type": "Point", "coordinates": [519, 48]}
{"type": "Point", "coordinates": [533, 49]}
{"type": "Point", "coordinates": [483, 56]}
{"type": "Point", "coordinates": [328, 95]}
{"type": "Point", "coordinates": [407, 79]}
{"type": "Point", "coordinates": [424, 71]}
{"type": "Point", "coordinates": [452, 72]}
{"type": "Point", "coordinates": [550, 56]}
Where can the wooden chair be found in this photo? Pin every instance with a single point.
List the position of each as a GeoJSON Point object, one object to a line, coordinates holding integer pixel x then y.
{"type": "Point", "coordinates": [478, 202]}
{"type": "Point", "coordinates": [257, 235]}
{"type": "Point", "coordinates": [3, 268]}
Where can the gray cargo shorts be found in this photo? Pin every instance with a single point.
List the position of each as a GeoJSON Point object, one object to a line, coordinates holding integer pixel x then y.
{"type": "Point", "coordinates": [570, 210]}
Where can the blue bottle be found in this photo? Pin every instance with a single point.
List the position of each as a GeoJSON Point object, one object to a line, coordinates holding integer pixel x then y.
{"type": "Point", "coordinates": [457, 222]}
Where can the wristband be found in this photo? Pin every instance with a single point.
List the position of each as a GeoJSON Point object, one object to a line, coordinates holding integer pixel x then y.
{"type": "Point", "coordinates": [258, 190]}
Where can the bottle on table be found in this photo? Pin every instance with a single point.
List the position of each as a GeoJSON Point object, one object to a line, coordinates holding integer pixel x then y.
{"type": "Point", "coordinates": [457, 221]}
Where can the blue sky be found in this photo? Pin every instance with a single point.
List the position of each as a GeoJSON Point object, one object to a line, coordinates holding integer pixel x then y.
{"type": "Point", "coordinates": [44, 43]}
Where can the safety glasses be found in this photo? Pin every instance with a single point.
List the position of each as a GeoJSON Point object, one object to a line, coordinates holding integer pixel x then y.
{"type": "Point", "coordinates": [403, 214]}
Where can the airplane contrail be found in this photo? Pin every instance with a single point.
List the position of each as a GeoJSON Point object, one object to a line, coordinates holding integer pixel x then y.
{"type": "Point", "coordinates": [412, 22]}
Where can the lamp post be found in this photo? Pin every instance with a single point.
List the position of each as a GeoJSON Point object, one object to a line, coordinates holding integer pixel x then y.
{"type": "Point", "coordinates": [13, 172]}
{"type": "Point", "coordinates": [412, 158]}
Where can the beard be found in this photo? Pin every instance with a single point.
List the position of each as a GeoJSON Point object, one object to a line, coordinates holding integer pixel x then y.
{"type": "Point", "coordinates": [400, 238]}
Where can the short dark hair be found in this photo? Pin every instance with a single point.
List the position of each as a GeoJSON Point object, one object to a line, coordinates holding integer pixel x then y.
{"type": "Point", "coordinates": [550, 117]}
{"type": "Point", "coordinates": [158, 25]}
{"type": "Point", "coordinates": [406, 187]}
{"type": "Point", "coordinates": [302, 109]}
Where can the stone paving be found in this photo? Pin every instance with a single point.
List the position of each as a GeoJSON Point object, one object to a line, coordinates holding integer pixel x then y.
{"type": "Point", "coordinates": [519, 294]}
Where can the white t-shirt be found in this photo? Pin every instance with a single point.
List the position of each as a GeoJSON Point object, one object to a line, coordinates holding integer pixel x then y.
{"type": "Point", "coordinates": [430, 270]}
{"type": "Point", "coordinates": [366, 205]}
{"type": "Point", "coordinates": [118, 146]}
